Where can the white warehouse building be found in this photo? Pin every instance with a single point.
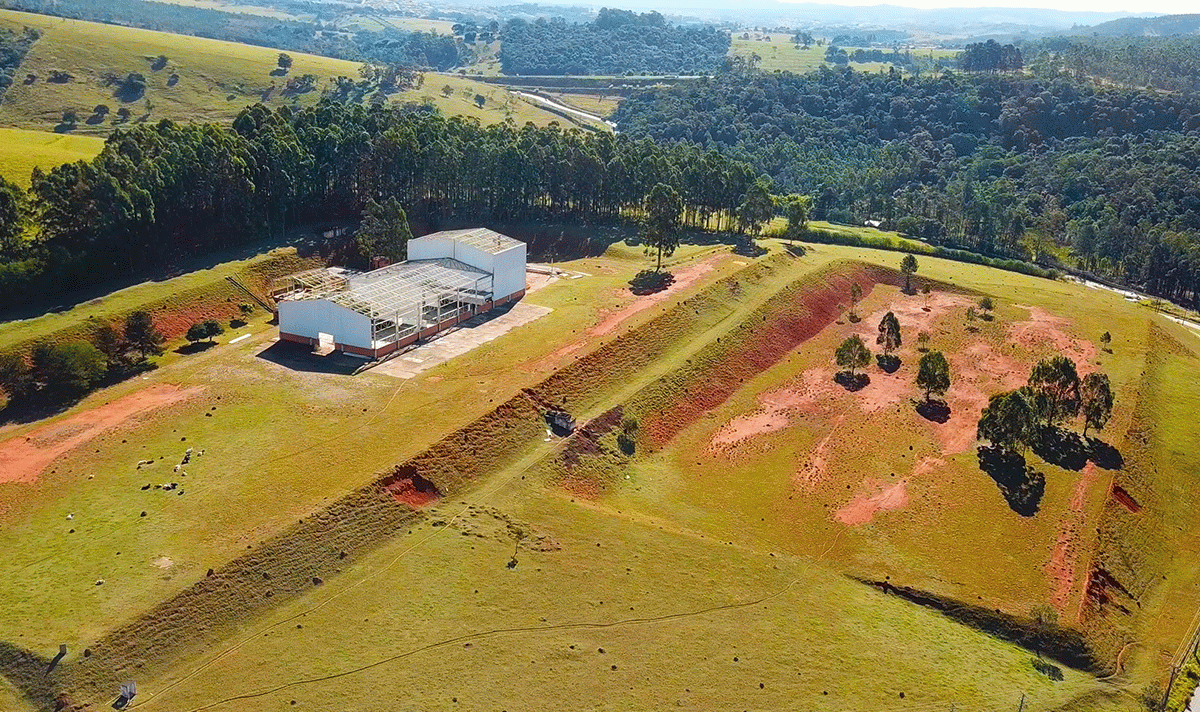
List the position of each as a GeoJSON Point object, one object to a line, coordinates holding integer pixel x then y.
{"type": "Point", "coordinates": [449, 277]}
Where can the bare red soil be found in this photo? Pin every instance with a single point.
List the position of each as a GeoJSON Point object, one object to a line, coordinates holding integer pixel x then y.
{"type": "Point", "coordinates": [862, 509]}
{"type": "Point", "coordinates": [1123, 498]}
{"type": "Point", "coordinates": [1046, 333]}
{"type": "Point", "coordinates": [760, 346]}
{"type": "Point", "coordinates": [413, 490]}
{"type": "Point", "coordinates": [683, 279]}
{"type": "Point", "coordinates": [776, 408]}
{"type": "Point", "coordinates": [812, 472]}
{"type": "Point", "coordinates": [1064, 557]}
{"type": "Point", "coordinates": [23, 458]}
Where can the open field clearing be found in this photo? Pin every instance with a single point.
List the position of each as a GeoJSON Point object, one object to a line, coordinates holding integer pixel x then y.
{"type": "Point", "coordinates": [779, 53]}
{"type": "Point", "coordinates": [203, 80]}
{"type": "Point", "coordinates": [238, 8]}
{"type": "Point", "coordinates": [598, 105]}
{"type": "Point", "coordinates": [21, 151]}
{"type": "Point", "coordinates": [728, 558]}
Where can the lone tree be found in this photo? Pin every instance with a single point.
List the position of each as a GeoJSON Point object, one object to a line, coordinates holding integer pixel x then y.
{"type": "Point", "coordinates": [111, 343]}
{"type": "Point", "coordinates": [284, 61]}
{"type": "Point", "coordinates": [141, 335]}
{"type": "Point", "coordinates": [1097, 401]}
{"type": "Point", "coordinates": [986, 305]}
{"type": "Point", "coordinates": [1008, 421]}
{"type": "Point", "coordinates": [908, 266]}
{"type": "Point", "coordinates": [660, 225]}
{"type": "Point", "coordinates": [933, 374]}
{"type": "Point", "coordinates": [923, 341]}
{"type": "Point", "coordinates": [757, 207]}
{"type": "Point", "coordinates": [1055, 384]}
{"type": "Point", "coordinates": [796, 209]}
{"type": "Point", "coordinates": [852, 354]}
{"type": "Point", "coordinates": [855, 295]}
{"type": "Point", "coordinates": [925, 290]}
{"type": "Point", "coordinates": [889, 334]}
{"type": "Point", "coordinates": [1106, 339]}
{"type": "Point", "coordinates": [383, 232]}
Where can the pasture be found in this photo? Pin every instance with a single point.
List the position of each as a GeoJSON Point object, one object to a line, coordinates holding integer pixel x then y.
{"type": "Point", "coordinates": [202, 80]}
{"type": "Point", "coordinates": [21, 151]}
{"type": "Point", "coordinates": [726, 561]}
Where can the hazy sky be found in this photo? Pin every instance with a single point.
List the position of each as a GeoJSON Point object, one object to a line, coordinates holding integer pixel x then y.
{"type": "Point", "coordinates": [1159, 6]}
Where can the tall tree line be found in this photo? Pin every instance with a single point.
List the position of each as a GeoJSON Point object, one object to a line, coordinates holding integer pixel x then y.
{"type": "Point", "coordinates": [157, 192]}
{"type": "Point", "coordinates": [1053, 170]}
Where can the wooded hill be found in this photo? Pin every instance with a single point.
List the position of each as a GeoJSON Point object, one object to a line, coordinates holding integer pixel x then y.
{"type": "Point", "coordinates": [1002, 165]}
{"type": "Point", "coordinates": [617, 42]}
{"type": "Point", "coordinates": [160, 191]}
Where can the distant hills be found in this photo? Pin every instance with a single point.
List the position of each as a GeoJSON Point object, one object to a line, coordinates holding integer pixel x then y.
{"type": "Point", "coordinates": [1162, 26]}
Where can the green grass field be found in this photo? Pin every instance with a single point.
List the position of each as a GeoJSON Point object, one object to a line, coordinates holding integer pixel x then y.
{"type": "Point", "coordinates": [688, 578]}
{"type": "Point", "coordinates": [21, 151]}
{"type": "Point", "coordinates": [204, 80]}
{"type": "Point", "coordinates": [780, 54]}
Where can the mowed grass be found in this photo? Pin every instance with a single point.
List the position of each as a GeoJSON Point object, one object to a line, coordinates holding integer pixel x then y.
{"type": "Point", "coordinates": [780, 53]}
{"type": "Point", "coordinates": [21, 151]}
{"type": "Point", "coordinates": [306, 437]}
{"type": "Point", "coordinates": [712, 565]}
{"type": "Point", "coordinates": [591, 103]}
{"type": "Point", "coordinates": [629, 613]}
{"type": "Point", "coordinates": [215, 80]}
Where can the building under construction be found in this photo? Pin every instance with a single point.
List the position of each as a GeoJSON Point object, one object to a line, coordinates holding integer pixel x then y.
{"type": "Point", "coordinates": [449, 277]}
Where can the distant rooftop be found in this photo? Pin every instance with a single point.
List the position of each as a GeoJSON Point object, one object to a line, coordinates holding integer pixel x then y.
{"type": "Point", "coordinates": [480, 238]}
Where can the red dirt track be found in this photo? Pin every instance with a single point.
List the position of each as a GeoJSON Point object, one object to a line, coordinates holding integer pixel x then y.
{"type": "Point", "coordinates": [23, 458]}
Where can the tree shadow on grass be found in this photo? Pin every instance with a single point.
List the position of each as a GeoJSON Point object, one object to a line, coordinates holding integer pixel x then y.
{"type": "Point", "coordinates": [1021, 485]}
{"type": "Point", "coordinates": [1048, 669]}
{"type": "Point", "coordinates": [795, 249]}
{"type": "Point", "coordinates": [195, 348]}
{"type": "Point", "coordinates": [749, 248]}
{"type": "Point", "coordinates": [934, 410]}
{"type": "Point", "coordinates": [649, 281]}
{"type": "Point", "coordinates": [1104, 455]}
{"type": "Point", "coordinates": [889, 363]}
{"type": "Point", "coordinates": [852, 381]}
{"type": "Point", "coordinates": [1061, 447]}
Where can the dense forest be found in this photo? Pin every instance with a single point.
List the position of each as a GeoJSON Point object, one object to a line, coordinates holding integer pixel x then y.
{"type": "Point", "coordinates": [13, 48]}
{"type": "Point", "coordinates": [616, 42]}
{"type": "Point", "coordinates": [1166, 63]}
{"type": "Point", "coordinates": [158, 192]}
{"type": "Point", "coordinates": [389, 46]}
{"type": "Point", "coordinates": [1003, 165]}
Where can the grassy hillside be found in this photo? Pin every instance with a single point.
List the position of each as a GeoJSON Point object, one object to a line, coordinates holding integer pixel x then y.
{"type": "Point", "coordinates": [681, 576]}
{"type": "Point", "coordinates": [22, 150]}
{"type": "Point", "coordinates": [204, 80]}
